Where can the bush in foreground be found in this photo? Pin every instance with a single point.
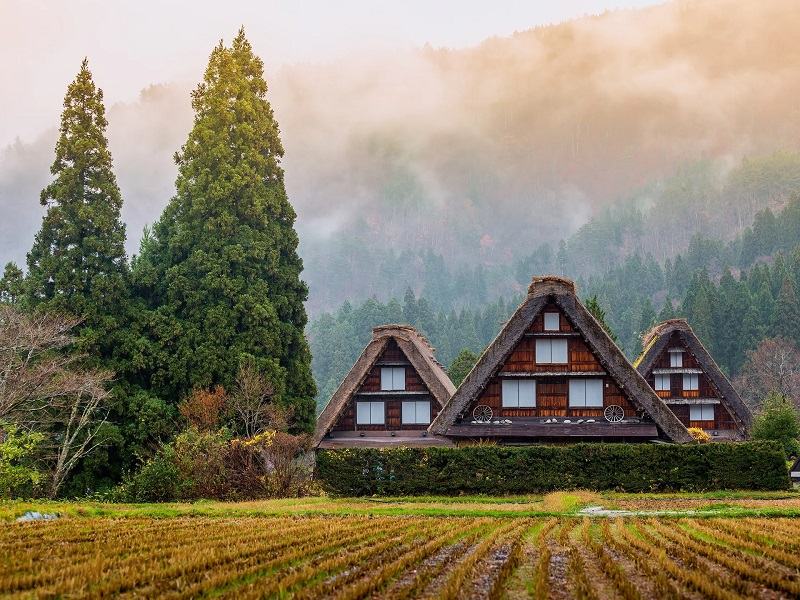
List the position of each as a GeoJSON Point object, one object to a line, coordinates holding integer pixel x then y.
{"type": "Point", "coordinates": [531, 469]}
{"type": "Point", "coordinates": [207, 464]}
{"type": "Point", "coordinates": [779, 421]}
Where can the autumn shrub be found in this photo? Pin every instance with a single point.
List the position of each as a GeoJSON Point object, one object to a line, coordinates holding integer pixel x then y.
{"type": "Point", "coordinates": [204, 464]}
{"type": "Point", "coordinates": [272, 464]}
{"type": "Point", "coordinates": [204, 409]}
{"type": "Point", "coordinates": [699, 435]}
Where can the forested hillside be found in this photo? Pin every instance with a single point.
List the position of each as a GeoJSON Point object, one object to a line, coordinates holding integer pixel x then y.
{"type": "Point", "coordinates": [735, 293]}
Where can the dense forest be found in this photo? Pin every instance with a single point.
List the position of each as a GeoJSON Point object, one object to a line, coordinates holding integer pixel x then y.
{"type": "Point", "coordinates": [105, 361]}
{"type": "Point", "coordinates": [735, 293]}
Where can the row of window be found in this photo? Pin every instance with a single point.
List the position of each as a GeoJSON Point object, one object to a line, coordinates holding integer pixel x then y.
{"type": "Point", "coordinates": [583, 393]}
{"type": "Point", "coordinates": [691, 382]}
{"type": "Point", "coordinates": [414, 412]}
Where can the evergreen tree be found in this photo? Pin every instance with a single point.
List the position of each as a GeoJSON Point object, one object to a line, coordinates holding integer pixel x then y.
{"type": "Point", "coordinates": [221, 272]}
{"type": "Point", "coordinates": [12, 285]}
{"type": "Point", "coordinates": [593, 306]}
{"type": "Point", "coordinates": [697, 307]}
{"type": "Point", "coordinates": [461, 366]}
{"type": "Point", "coordinates": [667, 311]}
{"type": "Point", "coordinates": [647, 318]}
{"type": "Point", "coordinates": [787, 312]}
{"type": "Point", "coordinates": [77, 264]}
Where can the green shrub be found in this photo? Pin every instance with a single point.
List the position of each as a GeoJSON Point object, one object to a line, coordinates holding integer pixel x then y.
{"type": "Point", "coordinates": [779, 421]}
{"type": "Point", "coordinates": [531, 469]}
{"type": "Point", "coordinates": [157, 481]}
{"type": "Point", "coordinates": [18, 474]}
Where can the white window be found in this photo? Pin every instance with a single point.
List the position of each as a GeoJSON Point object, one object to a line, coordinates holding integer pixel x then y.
{"type": "Point", "coordinates": [663, 383]}
{"type": "Point", "coordinates": [551, 321]}
{"type": "Point", "coordinates": [586, 393]}
{"type": "Point", "coordinates": [393, 378]}
{"type": "Point", "coordinates": [551, 351]}
{"type": "Point", "coordinates": [676, 358]}
{"type": "Point", "coordinates": [701, 412]}
{"type": "Point", "coordinates": [690, 382]}
{"type": "Point", "coordinates": [416, 412]}
{"type": "Point", "coordinates": [519, 393]}
{"type": "Point", "coordinates": [369, 413]}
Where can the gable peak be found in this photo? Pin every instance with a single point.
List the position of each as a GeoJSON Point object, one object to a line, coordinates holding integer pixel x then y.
{"type": "Point", "coordinates": [542, 285]}
{"type": "Point", "coordinates": [667, 326]}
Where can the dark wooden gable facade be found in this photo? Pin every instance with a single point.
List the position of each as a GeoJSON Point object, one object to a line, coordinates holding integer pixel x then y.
{"type": "Point", "coordinates": [389, 397]}
{"type": "Point", "coordinates": [683, 374]}
{"type": "Point", "coordinates": [553, 379]}
{"type": "Point", "coordinates": [552, 373]}
{"type": "Point", "coordinates": [371, 390]}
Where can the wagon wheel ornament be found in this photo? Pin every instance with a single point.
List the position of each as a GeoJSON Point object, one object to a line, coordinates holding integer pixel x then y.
{"type": "Point", "coordinates": [614, 413]}
{"type": "Point", "coordinates": [482, 413]}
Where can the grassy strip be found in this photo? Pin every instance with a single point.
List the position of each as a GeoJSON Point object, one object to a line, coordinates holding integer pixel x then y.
{"type": "Point", "coordinates": [554, 504]}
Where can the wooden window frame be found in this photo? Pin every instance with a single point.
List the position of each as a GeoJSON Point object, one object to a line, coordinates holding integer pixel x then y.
{"type": "Point", "coordinates": [372, 405]}
{"type": "Point", "coordinates": [661, 377]}
{"type": "Point", "coordinates": [551, 314]}
{"type": "Point", "coordinates": [584, 381]}
{"type": "Point", "coordinates": [549, 342]}
{"type": "Point", "coordinates": [506, 399]}
{"type": "Point", "coordinates": [416, 404]}
{"type": "Point", "coordinates": [688, 377]}
{"type": "Point", "coordinates": [393, 373]}
{"type": "Point", "coordinates": [702, 408]}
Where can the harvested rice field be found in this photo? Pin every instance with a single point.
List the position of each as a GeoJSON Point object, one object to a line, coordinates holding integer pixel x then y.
{"type": "Point", "coordinates": [403, 556]}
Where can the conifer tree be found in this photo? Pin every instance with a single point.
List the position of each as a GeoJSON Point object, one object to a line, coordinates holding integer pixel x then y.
{"type": "Point", "coordinates": [593, 306]}
{"type": "Point", "coordinates": [221, 269]}
{"type": "Point", "coordinates": [12, 284]}
{"type": "Point", "coordinates": [787, 312]}
{"type": "Point", "coordinates": [667, 311]}
{"type": "Point", "coordinates": [77, 264]}
{"type": "Point", "coordinates": [647, 318]}
{"type": "Point", "coordinates": [461, 366]}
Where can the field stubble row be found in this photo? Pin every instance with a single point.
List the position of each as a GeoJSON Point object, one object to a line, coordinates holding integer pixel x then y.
{"type": "Point", "coordinates": [402, 557]}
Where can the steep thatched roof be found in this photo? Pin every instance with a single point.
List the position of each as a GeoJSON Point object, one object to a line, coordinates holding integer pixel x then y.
{"type": "Point", "coordinates": [656, 341]}
{"type": "Point", "coordinates": [418, 351]}
{"type": "Point", "coordinates": [561, 291]}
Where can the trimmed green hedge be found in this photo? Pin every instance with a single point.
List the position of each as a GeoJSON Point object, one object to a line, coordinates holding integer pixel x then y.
{"type": "Point", "coordinates": [529, 469]}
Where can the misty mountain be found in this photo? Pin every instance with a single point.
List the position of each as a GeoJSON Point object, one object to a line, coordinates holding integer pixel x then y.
{"type": "Point", "coordinates": [477, 157]}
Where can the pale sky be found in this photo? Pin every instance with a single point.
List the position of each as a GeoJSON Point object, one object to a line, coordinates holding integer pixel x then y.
{"type": "Point", "coordinates": [132, 44]}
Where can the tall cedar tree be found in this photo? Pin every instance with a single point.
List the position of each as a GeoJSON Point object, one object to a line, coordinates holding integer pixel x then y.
{"type": "Point", "coordinates": [221, 267]}
{"type": "Point", "coordinates": [593, 306]}
{"type": "Point", "coordinates": [77, 264]}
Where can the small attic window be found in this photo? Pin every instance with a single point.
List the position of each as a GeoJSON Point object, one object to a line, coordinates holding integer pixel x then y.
{"type": "Point", "coordinates": [676, 357]}
{"type": "Point", "coordinates": [552, 321]}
